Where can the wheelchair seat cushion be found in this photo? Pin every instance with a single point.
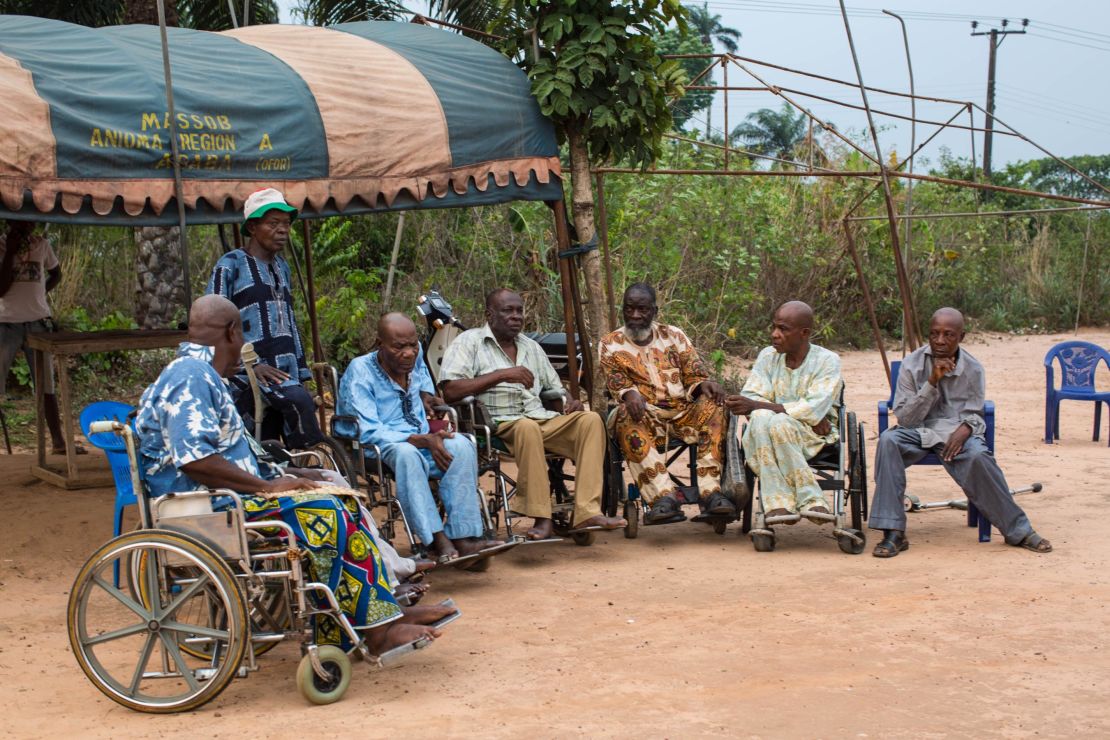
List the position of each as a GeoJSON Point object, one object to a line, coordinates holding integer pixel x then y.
{"type": "Point", "coordinates": [828, 458]}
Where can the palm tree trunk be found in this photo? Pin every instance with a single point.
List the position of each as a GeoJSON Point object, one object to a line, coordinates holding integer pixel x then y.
{"type": "Point", "coordinates": [160, 292]}
{"type": "Point", "coordinates": [582, 209]}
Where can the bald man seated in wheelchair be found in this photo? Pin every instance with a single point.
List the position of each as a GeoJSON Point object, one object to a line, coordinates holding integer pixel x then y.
{"type": "Point", "coordinates": [939, 401]}
{"type": "Point", "coordinates": [191, 437]}
{"type": "Point", "coordinates": [389, 391]}
{"type": "Point", "coordinates": [791, 399]}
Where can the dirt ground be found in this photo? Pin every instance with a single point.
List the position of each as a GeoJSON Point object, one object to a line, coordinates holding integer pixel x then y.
{"type": "Point", "coordinates": [680, 632]}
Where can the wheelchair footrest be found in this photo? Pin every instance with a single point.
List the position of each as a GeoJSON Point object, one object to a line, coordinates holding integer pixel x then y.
{"type": "Point", "coordinates": [784, 519]}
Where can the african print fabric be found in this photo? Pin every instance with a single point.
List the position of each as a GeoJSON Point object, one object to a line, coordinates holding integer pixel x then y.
{"type": "Point", "coordinates": [187, 415]}
{"type": "Point", "coordinates": [665, 372]}
{"type": "Point", "coordinates": [778, 447]}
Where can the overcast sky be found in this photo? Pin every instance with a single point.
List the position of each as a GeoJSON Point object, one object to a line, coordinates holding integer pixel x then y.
{"type": "Point", "coordinates": [1051, 82]}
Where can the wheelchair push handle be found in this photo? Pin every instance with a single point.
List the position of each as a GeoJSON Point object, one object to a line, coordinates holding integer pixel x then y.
{"type": "Point", "coordinates": [110, 426]}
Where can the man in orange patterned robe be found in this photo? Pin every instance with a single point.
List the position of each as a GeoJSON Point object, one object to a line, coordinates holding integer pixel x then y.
{"type": "Point", "coordinates": [664, 391]}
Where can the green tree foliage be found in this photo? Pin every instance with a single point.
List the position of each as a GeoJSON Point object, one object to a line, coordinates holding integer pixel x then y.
{"type": "Point", "coordinates": [1048, 175]}
{"type": "Point", "coordinates": [331, 12]}
{"type": "Point", "coordinates": [594, 69]}
{"type": "Point", "coordinates": [772, 132]}
{"type": "Point", "coordinates": [708, 27]}
{"type": "Point", "coordinates": [204, 15]}
{"type": "Point", "coordinates": [673, 41]}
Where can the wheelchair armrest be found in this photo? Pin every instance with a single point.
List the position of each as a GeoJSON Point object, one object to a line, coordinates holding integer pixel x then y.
{"type": "Point", "coordinates": [552, 394]}
{"type": "Point", "coordinates": [884, 414]}
{"type": "Point", "coordinates": [345, 428]}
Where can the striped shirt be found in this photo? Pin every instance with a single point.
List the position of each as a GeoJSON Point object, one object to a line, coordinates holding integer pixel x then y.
{"type": "Point", "coordinates": [476, 352]}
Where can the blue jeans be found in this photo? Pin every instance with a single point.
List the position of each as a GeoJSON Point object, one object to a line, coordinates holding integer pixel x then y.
{"type": "Point", "coordinates": [458, 488]}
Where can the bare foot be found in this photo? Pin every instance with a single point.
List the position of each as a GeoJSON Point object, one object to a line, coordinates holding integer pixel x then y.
{"type": "Point", "coordinates": [605, 522]}
{"type": "Point", "coordinates": [415, 591]}
{"type": "Point", "coordinates": [780, 512]}
{"type": "Point", "coordinates": [395, 634]}
{"type": "Point", "coordinates": [541, 530]}
{"type": "Point", "coordinates": [426, 614]}
{"type": "Point", "coordinates": [423, 564]}
{"type": "Point", "coordinates": [443, 548]}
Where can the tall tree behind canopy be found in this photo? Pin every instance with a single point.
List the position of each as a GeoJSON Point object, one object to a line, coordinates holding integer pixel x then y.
{"type": "Point", "coordinates": [596, 73]}
{"type": "Point", "coordinates": [772, 132]}
{"type": "Point", "coordinates": [709, 29]}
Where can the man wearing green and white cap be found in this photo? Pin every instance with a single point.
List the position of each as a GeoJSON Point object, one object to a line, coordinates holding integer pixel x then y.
{"type": "Point", "coordinates": [257, 280]}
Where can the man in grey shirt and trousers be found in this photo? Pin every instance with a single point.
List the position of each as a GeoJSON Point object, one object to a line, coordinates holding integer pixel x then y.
{"type": "Point", "coordinates": [939, 404]}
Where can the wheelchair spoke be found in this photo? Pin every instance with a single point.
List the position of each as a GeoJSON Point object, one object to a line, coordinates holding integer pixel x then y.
{"type": "Point", "coordinates": [170, 647]}
{"type": "Point", "coordinates": [114, 634]}
{"type": "Point", "coordinates": [140, 669]}
{"type": "Point", "coordinates": [122, 598]}
{"type": "Point", "coordinates": [153, 587]}
{"type": "Point", "coordinates": [178, 602]}
{"type": "Point", "coordinates": [199, 631]}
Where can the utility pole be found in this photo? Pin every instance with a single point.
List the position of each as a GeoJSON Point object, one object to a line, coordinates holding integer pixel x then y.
{"type": "Point", "coordinates": [995, 35]}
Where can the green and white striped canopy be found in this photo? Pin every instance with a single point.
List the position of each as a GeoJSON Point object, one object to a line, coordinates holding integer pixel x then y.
{"type": "Point", "coordinates": [353, 118]}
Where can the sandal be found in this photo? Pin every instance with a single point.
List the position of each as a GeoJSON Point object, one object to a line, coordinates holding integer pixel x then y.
{"type": "Point", "coordinates": [718, 505]}
{"type": "Point", "coordinates": [664, 511]}
{"type": "Point", "coordinates": [893, 543]}
{"type": "Point", "coordinates": [1035, 543]}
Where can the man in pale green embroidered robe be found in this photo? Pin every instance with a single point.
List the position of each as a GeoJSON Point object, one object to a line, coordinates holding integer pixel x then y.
{"type": "Point", "coordinates": [791, 398]}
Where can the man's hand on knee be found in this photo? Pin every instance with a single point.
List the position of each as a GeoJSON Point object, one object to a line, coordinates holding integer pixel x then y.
{"type": "Point", "coordinates": [433, 442]}
{"type": "Point", "coordinates": [955, 444]}
{"type": "Point", "coordinates": [635, 404]}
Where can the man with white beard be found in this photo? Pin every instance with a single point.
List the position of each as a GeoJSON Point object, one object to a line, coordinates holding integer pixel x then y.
{"type": "Point", "coordinates": [664, 390]}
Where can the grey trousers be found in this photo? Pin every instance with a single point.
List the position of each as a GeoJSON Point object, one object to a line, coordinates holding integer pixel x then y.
{"type": "Point", "coordinates": [974, 469]}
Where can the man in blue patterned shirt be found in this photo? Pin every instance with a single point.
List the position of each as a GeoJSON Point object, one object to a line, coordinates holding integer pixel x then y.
{"type": "Point", "coordinates": [256, 279]}
{"type": "Point", "coordinates": [386, 391]}
{"type": "Point", "coordinates": [191, 437]}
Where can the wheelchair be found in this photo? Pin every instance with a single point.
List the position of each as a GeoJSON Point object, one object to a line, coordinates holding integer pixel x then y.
{"type": "Point", "coordinates": [205, 593]}
{"type": "Point", "coordinates": [472, 419]}
{"type": "Point", "coordinates": [492, 451]}
{"type": "Point", "coordinates": [634, 506]}
{"type": "Point", "coordinates": [840, 468]}
{"type": "Point", "coordinates": [381, 490]}
{"type": "Point", "coordinates": [330, 452]}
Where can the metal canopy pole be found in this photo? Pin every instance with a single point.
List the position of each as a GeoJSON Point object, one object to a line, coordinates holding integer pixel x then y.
{"type": "Point", "coordinates": [913, 145]}
{"type": "Point", "coordinates": [888, 196]}
{"type": "Point", "coordinates": [178, 186]}
{"type": "Point", "coordinates": [317, 347]}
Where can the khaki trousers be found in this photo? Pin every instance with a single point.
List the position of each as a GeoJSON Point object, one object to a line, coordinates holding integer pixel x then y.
{"type": "Point", "coordinates": [579, 436]}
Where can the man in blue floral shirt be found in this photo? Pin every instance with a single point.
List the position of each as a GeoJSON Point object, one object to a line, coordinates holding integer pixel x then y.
{"type": "Point", "coordinates": [191, 436]}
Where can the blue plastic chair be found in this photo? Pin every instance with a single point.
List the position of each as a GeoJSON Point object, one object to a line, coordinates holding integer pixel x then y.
{"type": "Point", "coordinates": [114, 450]}
{"type": "Point", "coordinates": [974, 518]}
{"type": "Point", "coordinates": [1078, 363]}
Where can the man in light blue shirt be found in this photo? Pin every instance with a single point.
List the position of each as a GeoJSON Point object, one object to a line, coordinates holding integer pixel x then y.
{"type": "Point", "coordinates": [386, 390]}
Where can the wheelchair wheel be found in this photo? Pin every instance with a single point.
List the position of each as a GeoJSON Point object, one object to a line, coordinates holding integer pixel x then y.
{"type": "Point", "coordinates": [856, 474]}
{"type": "Point", "coordinates": [268, 610]}
{"type": "Point", "coordinates": [325, 690]}
{"type": "Point", "coordinates": [848, 545]}
{"type": "Point", "coordinates": [582, 539]}
{"type": "Point", "coordinates": [331, 450]}
{"type": "Point", "coordinates": [480, 566]}
{"type": "Point", "coordinates": [763, 542]}
{"type": "Point", "coordinates": [632, 516]}
{"type": "Point", "coordinates": [109, 630]}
